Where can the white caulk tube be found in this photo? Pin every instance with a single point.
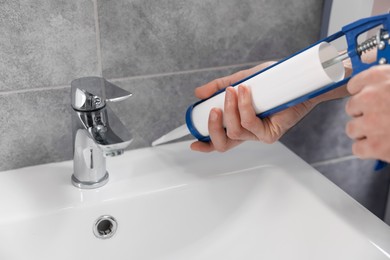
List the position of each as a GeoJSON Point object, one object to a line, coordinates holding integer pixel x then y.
{"type": "Point", "coordinates": [275, 88]}
{"type": "Point", "coordinates": [300, 77]}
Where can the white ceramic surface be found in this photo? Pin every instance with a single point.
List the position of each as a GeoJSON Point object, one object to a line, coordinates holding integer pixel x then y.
{"type": "Point", "coordinates": [254, 202]}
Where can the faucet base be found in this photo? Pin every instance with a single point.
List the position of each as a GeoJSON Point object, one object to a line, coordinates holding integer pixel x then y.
{"type": "Point", "coordinates": [90, 185]}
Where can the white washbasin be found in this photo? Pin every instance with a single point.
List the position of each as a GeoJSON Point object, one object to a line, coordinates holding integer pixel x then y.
{"type": "Point", "coordinates": [254, 202]}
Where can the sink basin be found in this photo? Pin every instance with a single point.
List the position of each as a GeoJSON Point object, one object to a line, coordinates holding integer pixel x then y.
{"type": "Point", "coordinates": [254, 202]}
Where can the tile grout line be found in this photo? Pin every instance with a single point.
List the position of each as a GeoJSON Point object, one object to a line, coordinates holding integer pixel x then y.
{"type": "Point", "coordinates": [98, 44]}
{"type": "Point", "coordinates": [32, 90]}
{"type": "Point", "coordinates": [137, 77]}
{"type": "Point", "coordinates": [146, 76]}
{"type": "Point", "coordinates": [335, 160]}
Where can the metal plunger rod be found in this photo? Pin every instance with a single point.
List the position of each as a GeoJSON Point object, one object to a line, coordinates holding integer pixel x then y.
{"type": "Point", "coordinates": [337, 59]}
{"type": "Point", "coordinates": [373, 42]}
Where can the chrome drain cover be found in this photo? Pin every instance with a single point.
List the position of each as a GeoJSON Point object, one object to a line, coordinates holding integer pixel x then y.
{"type": "Point", "coordinates": [105, 227]}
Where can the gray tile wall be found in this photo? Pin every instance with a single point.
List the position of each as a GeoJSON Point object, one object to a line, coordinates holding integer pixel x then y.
{"type": "Point", "coordinates": [160, 51]}
{"type": "Point", "coordinates": [46, 43]}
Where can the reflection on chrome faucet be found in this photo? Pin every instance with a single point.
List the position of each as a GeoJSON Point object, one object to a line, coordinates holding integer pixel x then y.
{"type": "Point", "coordinates": [97, 131]}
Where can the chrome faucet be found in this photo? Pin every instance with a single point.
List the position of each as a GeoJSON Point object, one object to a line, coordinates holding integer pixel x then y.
{"type": "Point", "coordinates": [97, 131]}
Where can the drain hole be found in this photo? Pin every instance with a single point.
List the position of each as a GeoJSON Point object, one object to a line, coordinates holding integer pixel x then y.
{"type": "Point", "coordinates": [105, 227]}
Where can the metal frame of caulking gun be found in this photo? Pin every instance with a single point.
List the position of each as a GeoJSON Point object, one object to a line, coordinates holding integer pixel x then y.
{"type": "Point", "coordinates": [351, 32]}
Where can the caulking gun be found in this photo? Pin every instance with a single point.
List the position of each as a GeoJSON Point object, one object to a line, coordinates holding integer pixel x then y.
{"type": "Point", "coordinates": [306, 74]}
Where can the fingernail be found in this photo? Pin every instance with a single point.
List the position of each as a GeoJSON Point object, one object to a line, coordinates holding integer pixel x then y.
{"type": "Point", "coordinates": [241, 92]}
{"type": "Point", "coordinates": [213, 115]}
{"type": "Point", "coordinates": [228, 95]}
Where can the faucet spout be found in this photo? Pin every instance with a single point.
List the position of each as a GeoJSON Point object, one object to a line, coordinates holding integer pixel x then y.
{"type": "Point", "coordinates": [97, 131]}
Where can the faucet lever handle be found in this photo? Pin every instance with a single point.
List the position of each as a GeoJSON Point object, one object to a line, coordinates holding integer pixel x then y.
{"type": "Point", "coordinates": [115, 93]}
{"type": "Point", "coordinates": [92, 93]}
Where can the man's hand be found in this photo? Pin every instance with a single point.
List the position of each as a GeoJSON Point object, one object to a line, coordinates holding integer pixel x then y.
{"type": "Point", "coordinates": [369, 108]}
{"type": "Point", "coordinates": [240, 119]}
